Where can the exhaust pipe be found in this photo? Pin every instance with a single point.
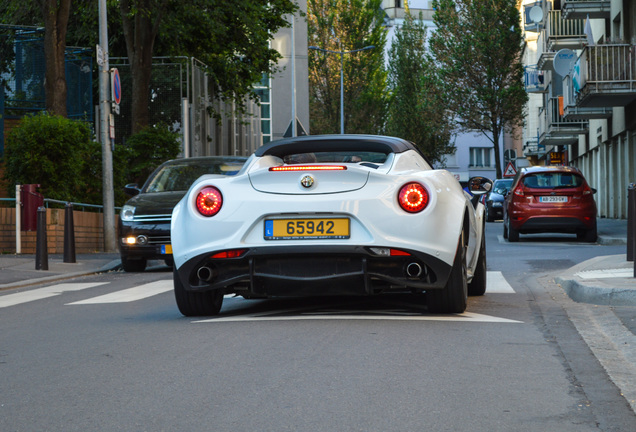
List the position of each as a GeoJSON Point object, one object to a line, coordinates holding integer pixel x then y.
{"type": "Point", "coordinates": [205, 273]}
{"type": "Point", "coordinates": [414, 270]}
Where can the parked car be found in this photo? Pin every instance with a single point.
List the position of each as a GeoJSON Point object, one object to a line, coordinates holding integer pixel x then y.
{"type": "Point", "coordinates": [144, 221]}
{"type": "Point", "coordinates": [330, 215]}
{"type": "Point", "coordinates": [495, 198]}
{"type": "Point", "coordinates": [550, 199]}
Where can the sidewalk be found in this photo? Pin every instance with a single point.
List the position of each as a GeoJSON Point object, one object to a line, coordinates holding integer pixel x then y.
{"type": "Point", "coordinates": [604, 280]}
{"type": "Point", "coordinates": [19, 270]}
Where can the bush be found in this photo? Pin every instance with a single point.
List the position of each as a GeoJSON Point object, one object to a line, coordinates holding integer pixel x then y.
{"type": "Point", "coordinates": [56, 153]}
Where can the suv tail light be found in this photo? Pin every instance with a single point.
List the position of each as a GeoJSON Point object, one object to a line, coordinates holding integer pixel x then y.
{"type": "Point", "coordinates": [209, 201]}
{"type": "Point", "coordinates": [413, 197]}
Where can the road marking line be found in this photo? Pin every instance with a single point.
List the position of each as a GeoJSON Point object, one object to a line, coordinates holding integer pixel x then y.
{"type": "Point", "coordinates": [129, 295]}
{"type": "Point", "coordinates": [465, 317]}
{"type": "Point", "coordinates": [497, 284]}
{"type": "Point", "coordinates": [42, 293]}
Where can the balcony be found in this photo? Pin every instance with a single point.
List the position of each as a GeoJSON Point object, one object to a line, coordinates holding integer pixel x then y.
{"type": "Point", "coordinates": [554, 129]}
{"type": "Point", "coordinates": [573, 112]}
{"type": "Point", "coordinates": [581, 9]}
{"type": "Point", "coordinates": [607, 76]}
{"type": "Point", "coordinates": [559, 34]}
{"type": "Point", "coordinates": [532, 148]}
{"type": "Point", "coordinates": [534, 80]}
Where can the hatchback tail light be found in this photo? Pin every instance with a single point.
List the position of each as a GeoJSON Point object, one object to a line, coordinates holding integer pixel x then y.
{"type": "Point", "coordinates": [209, 201]}
{"type": "Point", "coordinates": [587, 190]}
{"type": "Point", "coordinates": [413, 197]}
{"type": "Point", "coordinates": [519, 191]}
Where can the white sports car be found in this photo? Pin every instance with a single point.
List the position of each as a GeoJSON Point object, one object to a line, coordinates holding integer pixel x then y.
{"type": "Point", "coordinates": [330, 215]}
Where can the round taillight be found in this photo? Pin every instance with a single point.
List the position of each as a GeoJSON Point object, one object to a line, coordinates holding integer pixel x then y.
{"type": "Point", "coordinates": [209, 201]}
{"type": "Point", "coordinates": [413, 197]}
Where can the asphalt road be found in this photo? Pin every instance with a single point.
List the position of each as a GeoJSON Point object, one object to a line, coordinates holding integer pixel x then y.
{"type": "Point", "coordinates": [111, 352]}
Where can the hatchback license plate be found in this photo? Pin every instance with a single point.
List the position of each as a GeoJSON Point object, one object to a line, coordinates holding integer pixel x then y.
{"type": "Point", "coordinates": [302, 229]}
{"type": "Point", "coordinates": [551, 199]}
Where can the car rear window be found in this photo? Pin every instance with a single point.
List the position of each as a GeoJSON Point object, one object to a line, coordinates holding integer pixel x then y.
{"type": "Point", "coordinates": [552, 180]}
{"type": "Point", "coordinates": [338, 157]}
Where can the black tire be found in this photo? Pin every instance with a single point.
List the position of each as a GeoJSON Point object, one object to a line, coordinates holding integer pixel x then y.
{"type": "Point", "coordinates": [489, 216]}
{"type": "Point", "coordinates": [454, 297]}
{"type": "Point", "coordinates": [205, 303]}
{"type": "Point", "coordinates": [589, 236]}
{"type": "Point", "coordinates": [477, 286]}
{"type": "Point", "coordinates": [133, 265]}
{"type": "Point", "coordinates": [513, 234]}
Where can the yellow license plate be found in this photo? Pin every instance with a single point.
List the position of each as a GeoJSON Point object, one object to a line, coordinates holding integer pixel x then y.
{"type": "Point", "coordinates": [299, 229]}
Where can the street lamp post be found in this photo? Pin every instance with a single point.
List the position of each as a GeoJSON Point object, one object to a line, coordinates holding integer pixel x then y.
{"type": "Point", "coordinates": [342, 53]}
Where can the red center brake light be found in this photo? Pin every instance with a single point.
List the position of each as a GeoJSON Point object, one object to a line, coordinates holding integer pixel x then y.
{"type": "Point", "coordinates": [413, 197]}
{"type": "Point", "coordinates": [309, 168]}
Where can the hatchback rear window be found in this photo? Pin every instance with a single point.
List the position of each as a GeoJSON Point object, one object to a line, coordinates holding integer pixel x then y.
{"type": "Point", "coordinates": [552, 180]}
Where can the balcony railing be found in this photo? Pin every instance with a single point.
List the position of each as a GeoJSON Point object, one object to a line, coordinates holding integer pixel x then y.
{"type": "Point", "coordinates": [564, 33]}
{"type": "Point", "coordinates": [571, 111]}
{"type": "Point", "coordinates": [581, 9]}
{"type": "Point", "coordinates": [607, 76]}
{"type": "Point", "coordinates": [556, 130]}
{"type": "Point", "coordinates": [534, 80]}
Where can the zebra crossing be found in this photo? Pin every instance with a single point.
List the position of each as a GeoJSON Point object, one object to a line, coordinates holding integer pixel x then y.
{"type": "Point", "coordinates": [497, 284]}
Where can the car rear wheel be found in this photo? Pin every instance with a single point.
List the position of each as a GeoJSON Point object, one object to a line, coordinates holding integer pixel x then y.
{"type": "Point", "coordinates": [133, 265]}
{"type": "Point", "coordinates": [196, 303]}
{"type": "Point", "coordinates": [454, 297]}
{"type": "Point", "coordinates": [513, 234]}
{"type": "Point", "coordinates": [477, 286]}
{"type": "Point", "coordinates": [589, 236]}
{"type": "Point", "coordinates": [489, 213]}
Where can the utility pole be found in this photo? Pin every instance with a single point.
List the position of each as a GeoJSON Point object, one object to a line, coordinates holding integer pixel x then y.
{"type": "Point", "coordinates": [104, 128]}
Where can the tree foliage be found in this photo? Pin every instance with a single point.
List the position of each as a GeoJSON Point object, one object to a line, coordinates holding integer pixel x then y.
{"type": "Point", "coordinates": [56, 153]}
{"type": "Point", "coordinates": [477, 48]}
{"type": "Point", "coordinates": [417, 110]}
{"type": "Point", "coordinates": [148, 149]}
{"type": "Point", "coordinates": [346, 25]}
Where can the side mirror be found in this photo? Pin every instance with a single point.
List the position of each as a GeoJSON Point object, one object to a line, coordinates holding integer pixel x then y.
{"type": "Point", "coordinates": [479, 185]}
{"type": "Point", "coordinates": [132, 189]}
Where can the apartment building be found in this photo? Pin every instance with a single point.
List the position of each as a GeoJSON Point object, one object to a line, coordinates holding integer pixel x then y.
{"type": "Point", "coordinates": [580, 61]}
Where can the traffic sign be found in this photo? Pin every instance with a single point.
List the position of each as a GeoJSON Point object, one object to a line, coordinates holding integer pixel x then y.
{"type": "Point", "coordinates": [115, 85]}
{"type": "Point", "coordinates": [510, 170]}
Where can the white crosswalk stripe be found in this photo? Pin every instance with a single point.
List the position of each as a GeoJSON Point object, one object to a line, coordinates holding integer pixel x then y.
{"type": "Point", "coordinates": [42, 293]}
{"type": "Point", "coordinates": [131, 294]}
{"type": "Point", "coordinates": [497, 284]}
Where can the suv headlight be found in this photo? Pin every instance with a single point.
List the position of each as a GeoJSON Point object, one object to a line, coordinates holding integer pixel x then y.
{"type": "Point", "coordinates": [127, 213]}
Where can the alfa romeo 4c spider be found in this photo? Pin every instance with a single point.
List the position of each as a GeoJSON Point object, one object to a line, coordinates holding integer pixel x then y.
{"type": "Point", "coordinates": [330, 215]}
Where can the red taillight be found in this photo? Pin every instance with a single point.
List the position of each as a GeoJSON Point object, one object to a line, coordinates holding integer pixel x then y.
{"type": "Point", "coordinates": [209, 201]}
{"type": "Point", "coordinates": [234, 253]}
{"type": "Point", "coordinates": [309, 168]}
{"type": "Point", "coordinates": [587, 190]}
{"type": "Point", "coordinates": [413, 197]}
{"type": "Point", "coordinates": [397, 252]}
{"type": "Point", "coordinates": [519, 191]}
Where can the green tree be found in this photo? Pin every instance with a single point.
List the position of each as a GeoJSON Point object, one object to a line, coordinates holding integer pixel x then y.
{"type": "Point", "coordinates": [346, 25]}
{"type": "Point", "coordinates": [417, 111]}
{"type": "Point", "coordinates": [477, 48]}
{"type": "Point", "coordinates": [148, 149]}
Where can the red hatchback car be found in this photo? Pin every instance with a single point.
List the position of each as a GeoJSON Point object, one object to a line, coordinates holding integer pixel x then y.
{"type": "Point", "coordinates": [550, 199]}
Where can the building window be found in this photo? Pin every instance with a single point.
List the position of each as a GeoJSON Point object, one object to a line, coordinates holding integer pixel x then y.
{"type": "Point", "coordinates": [480, 157]}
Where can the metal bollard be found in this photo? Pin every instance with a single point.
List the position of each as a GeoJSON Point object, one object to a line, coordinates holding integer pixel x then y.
{"type": "Point", "coordinates": [631, 220]}
{"type": "Point", "coordinates": [41, 249]}
{"type": "Point", "coordinates": [69, 234]}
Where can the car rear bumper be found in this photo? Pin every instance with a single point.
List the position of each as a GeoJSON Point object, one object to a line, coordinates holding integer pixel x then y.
{"type": "Point", "coordinates": [553, 224]}
{"type": "Point", "coordinates": [301, 271]}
